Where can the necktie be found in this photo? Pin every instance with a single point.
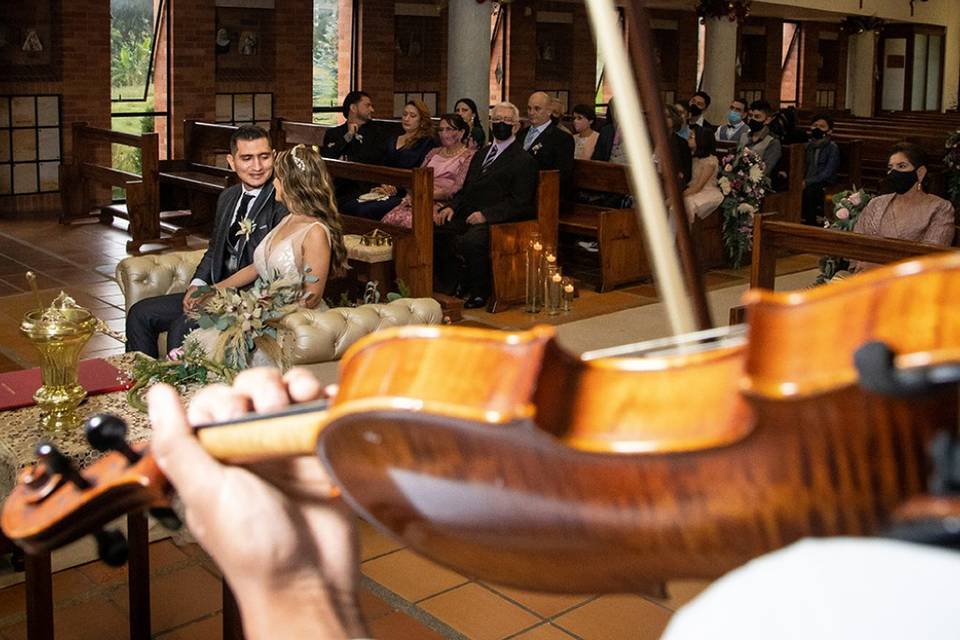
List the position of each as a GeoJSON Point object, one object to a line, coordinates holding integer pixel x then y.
{"type": "Point", "coordinates": [494, 151]}
{"type": "Point", "coordinates": [528, 139]}
{"type": "Point", "coordinates": [233, 236]}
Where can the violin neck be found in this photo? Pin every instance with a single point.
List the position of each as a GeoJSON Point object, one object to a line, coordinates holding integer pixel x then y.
{"type": "Point", "coordinates": [257, 437]}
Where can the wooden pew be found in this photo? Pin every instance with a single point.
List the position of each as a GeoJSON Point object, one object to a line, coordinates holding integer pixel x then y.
{"type": "Point", "coordinates": [412, 248]}
{"type": "Point", "coordinates": [79, 177]}
{"type": "Point", "coordinates": [194, 182]}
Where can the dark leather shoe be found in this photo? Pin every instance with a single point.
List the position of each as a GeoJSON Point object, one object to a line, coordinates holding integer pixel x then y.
{"type": "Point", "coordinates": [475, 302]}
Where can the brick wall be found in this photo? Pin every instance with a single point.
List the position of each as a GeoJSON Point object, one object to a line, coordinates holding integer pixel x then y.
{"type": "Point", "coordinates": [84, 83]}
{"type": "Point", "coordinates": [376, 54]}
{"type": "Point", "coordinates": [192, 66]}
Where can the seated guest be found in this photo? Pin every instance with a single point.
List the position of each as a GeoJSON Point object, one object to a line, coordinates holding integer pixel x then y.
{"type": "Point", "coordinates": [609, 147]}
{"type": "Point", "coordinates": [702, 196]}
{"type": "Point", "coordinates": [501, 185]}
{"type": "Point", "coordinates": [356, 140]}
{"type": "Point", "coordinates": [449, 162]}
{"type": "Point", "coordinates": [908, 213]}
{"type": "Point", "coordinates": [405, 151]}
{"type": "Point", "coordinates": [549, 145]}
{"type": "Point", "coordinates": [678, 144]}
{"type": "Point", "coordinates": [584, 138]}
{"type": "Point", "coordinates": [759, 139]}
{"type": "Point", "coordinates": [736, 125]}
{"type": "Point", "coordinates": [467, 109]}
{"type": "Point", "coordinates": [230, 249]}
{"type": "Point", "coordinates": [697, 108]}
{"type": "Point", "coordinates": [556, 107]}
{"type": "Point", "coordinates": [822, 159]}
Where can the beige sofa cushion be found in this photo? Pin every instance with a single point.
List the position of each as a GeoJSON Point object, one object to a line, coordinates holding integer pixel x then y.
{"type": "Point", "coordinates": [315, 336]}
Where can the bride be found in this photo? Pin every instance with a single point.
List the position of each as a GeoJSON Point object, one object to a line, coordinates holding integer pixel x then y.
{"type": "Point", "coordinates": [305, 247]}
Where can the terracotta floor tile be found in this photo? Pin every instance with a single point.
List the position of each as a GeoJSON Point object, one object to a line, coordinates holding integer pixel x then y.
{"type": "Point", "coordinates": [164, 553]}
{"type": "Point", "coordinates": [400, 626]}
{"type": "Point", "coordinates": [70, 584]}
{"type": "Point", "coordinates": [544, 604]}
{"type": "Point", "coordinates": [546, 631]}
{"type": "Point", "coordinates": [207, 629]}
{"type": "Point", "coordinates": [12, 600]}
{"type": "Point", "coordinates": [90, 620]}
{"type": "Point", "coordinates": [372, 606]}
{"type": "Point", "coordinates": [681, 592]}
{"type": "Point", "coordinates": [373, 543]}
{"type": "Point", "coordinates": [179, 597]}
{"type": "Point", "coordinates": [616, 618]}
{"type": "Point", "coordinates": [101, 574]}
{"type": "Point", "coordinates": [410, 576]}
{"type": "Point", "coordinates": [478, 613]}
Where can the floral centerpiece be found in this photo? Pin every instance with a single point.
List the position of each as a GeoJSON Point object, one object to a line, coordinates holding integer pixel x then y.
{"type": "Point", "coordinates": [847, 206]}
{"type": "Point", "coordinates": [952, 162]}
{"type": "Point", "coordinates": [743, 184]}
{"type": "Point", "coordinates": [733, 10]}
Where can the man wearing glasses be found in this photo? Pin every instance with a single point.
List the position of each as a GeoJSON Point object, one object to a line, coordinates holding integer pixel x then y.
{"type": "Point", "coordinates": [500, 186]}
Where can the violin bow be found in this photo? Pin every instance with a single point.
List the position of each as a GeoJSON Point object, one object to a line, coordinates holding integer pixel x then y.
{"type": "Point", "coordinates": [645, 183]}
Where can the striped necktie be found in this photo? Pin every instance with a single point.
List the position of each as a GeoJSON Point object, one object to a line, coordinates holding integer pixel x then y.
{"type": "Point", "coordinates": [494, 152]}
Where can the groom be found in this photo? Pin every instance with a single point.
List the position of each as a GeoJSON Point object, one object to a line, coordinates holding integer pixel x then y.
{"type": "Point", "coordinates": [231, 246]}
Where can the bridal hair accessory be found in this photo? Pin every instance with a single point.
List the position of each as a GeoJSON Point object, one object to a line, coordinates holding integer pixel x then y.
{"type": "Point", "coordinates": [296, 160]}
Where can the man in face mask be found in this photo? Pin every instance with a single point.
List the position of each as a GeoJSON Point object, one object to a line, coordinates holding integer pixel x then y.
{"type": "Point", "coordinates": [735, 127]}
{"type": "Point", "coordinates": [697, 108]}
{"type": "Point", "coordinates": [758, 138]}
{"type": "Point", "coordinates": [822, 159]}
{"type": "Point", "coordinates": [501, 185]}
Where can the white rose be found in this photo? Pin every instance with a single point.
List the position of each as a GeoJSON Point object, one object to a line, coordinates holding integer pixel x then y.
{"type": "Point", "coordinates": [756, 173]}
{"type": "Point", "coordinates": [745, 207]}
{"type": "Point", "coordinates": [724, 184]}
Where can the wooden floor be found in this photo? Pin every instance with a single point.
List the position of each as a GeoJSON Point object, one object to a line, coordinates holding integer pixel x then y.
{"type": "Point", "coordinates": [404, 595]}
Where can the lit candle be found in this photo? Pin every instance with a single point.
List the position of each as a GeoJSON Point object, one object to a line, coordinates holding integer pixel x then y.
{"type": "Point", "coordinates": [537, 246]}
{"type": "Point", "coordinates": [568, 288]}
{"type": "Point", "coordinates": [551, 257]}
{"type": "Point", "coordinates": [556, 277]}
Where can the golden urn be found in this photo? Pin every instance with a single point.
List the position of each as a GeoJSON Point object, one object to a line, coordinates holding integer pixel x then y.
{"type": "Point", "coordinates": [59, 332]}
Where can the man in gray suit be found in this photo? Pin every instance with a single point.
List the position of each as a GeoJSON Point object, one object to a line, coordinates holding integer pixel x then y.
{"type": "Point", "coordinates": [231, 246]}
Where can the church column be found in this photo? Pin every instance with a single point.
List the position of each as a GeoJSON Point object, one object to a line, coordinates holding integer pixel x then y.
{"type": "Point", "coordinates": [861, 83]}
{"type": "Point", "coordinates": [719, 66]}
{"type": "Point", "coordinates": [468, 49]}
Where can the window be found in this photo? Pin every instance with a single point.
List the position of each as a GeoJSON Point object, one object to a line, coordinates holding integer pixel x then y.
{"type": "Point", "coordinates": [135, 35]}
{"type": "Point", "coordinates": [30, 138]}
{"type": "Point", "coordinates": [333, 55]}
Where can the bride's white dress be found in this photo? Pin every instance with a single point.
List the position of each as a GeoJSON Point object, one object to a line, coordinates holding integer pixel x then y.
{"type": "Point", "coordinates": [273, 259]}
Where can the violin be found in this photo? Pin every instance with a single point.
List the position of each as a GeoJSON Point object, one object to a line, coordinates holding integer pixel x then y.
{"type": "Point", "coordinates": [602, 473]}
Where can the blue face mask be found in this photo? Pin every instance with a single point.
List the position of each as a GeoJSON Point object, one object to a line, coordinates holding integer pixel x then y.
{"type": "Point", "coordinates": [734, 117]}
{"type": "Point", "coordinates": [684, 132]}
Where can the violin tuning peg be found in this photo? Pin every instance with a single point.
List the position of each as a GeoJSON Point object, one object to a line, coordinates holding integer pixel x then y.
{"type": "Point", "coordinates": [107, 432]}
{"type": "Point", "coordinates": [56, 462]}
{"type": "Point", "coordinates": [167, 517]}
{"type": "Point", "coordinates": [112, 547]}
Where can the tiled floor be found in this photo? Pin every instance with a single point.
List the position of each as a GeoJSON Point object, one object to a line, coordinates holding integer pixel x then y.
{"type": "Point", "coordinates": [404, 595]}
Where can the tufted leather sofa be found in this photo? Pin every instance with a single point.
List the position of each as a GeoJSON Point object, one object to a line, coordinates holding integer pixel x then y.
{"type": "Point", "coordinates": [318, 336]}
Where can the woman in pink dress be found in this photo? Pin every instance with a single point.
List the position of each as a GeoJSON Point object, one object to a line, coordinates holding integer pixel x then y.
{"type": "Point", "coordinates": [450, 162]}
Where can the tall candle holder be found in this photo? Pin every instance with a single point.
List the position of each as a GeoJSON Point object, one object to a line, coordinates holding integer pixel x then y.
{"type": "Point", "coordinates": [568, 290]}
{"type": "Point", "coordinates": [553, 290]}
{"type": "Point", "coordinates": [534, 274]}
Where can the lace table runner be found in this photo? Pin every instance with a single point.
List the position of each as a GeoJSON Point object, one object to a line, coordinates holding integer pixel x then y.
{"type": "Point", "coordinates": [20, 430]}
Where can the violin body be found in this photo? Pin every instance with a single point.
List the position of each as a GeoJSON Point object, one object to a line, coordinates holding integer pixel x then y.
{"type": "Point", "coordinates": [509, 460]}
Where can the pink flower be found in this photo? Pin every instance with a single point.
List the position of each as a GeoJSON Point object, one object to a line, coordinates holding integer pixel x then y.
{"type": "Point", "coordinates": [855, 199]}
{"type": "Point", "coordinates": [842, 213]}
{"type": "Point", "coordinates": [175, 354]}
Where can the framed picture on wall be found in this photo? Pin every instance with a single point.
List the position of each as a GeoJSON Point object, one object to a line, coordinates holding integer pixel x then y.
{"type": "Point", "coordinates": [30, 44]}
{"type": "Point", "coordinates": [243, 44]}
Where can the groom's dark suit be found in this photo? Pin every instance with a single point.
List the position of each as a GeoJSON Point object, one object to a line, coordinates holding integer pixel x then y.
{"type": "Point", "coordinates": [150, 317]}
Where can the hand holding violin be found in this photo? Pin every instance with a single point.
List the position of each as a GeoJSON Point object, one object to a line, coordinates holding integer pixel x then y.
{"type": "Point", "coordinates": [284, 541]}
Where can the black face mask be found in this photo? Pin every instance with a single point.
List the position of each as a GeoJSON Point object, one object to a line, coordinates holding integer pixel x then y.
{"type": "Point", "coordinates": [817, 134]}
{"type": "Point", "coordinates": [501, 130]}
{"type": "Point", "coordinates": [901, 181]}
{"type": "Point", "coordinates": [755, 125]}
{"type": "Point", "coordinates": [694, 110]}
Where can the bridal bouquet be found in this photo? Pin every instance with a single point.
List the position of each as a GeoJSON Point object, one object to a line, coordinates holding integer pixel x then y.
{"type": "Point", "coordinates": [847, 206]}
{"type": "Point", "coordinates": [235, 322]}
{"type": "Point", "coordinates": [743, 184]}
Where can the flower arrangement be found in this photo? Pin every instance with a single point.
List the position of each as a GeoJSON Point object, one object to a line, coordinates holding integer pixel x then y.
{"type": "Point", "coordinates": [733, 10]}
{"type": "Point", "coordinates": [191, 367]}
{"type": "Point", "coordinates": [952, 161]}
{"type": "Point", "coordinates": [847, 206]}
{"type": "Point", "coordinates": [743, 184]}
{"type": "Point", "coordinates": [248, 319]}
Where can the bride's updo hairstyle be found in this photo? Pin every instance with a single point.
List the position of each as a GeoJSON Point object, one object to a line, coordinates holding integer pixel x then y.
{"type": "Point", "coordinates": [308, 190]}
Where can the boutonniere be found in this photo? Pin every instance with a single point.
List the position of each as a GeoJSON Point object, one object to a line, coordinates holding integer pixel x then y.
{"type": "Point", "coordinates": [536, 147]}
{"type": "Point", "coordinates": [330, 144]}
{"type": "Point", "coordinates": [358, 138]}
{"type": "Point", "coordinates": [246, 228]}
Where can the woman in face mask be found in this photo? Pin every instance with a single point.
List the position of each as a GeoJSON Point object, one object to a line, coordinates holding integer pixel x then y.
{"type": "Point", "coordinates": [908, 213]}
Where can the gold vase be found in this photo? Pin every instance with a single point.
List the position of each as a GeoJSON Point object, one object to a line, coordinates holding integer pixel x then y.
{"type": "Point", "coordinates": [59, 333]}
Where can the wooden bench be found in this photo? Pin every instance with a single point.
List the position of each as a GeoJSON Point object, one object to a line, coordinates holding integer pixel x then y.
{"type": "Point", "coordinates": [79, 177]}
{"type": "Point", "coordinates": [195, 182]}
{"type": "Point", "coordinates": [620, 242]}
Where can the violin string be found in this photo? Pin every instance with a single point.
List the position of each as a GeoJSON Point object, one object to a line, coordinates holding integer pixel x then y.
{"type": "Point", "coordinates": [692, 342]}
